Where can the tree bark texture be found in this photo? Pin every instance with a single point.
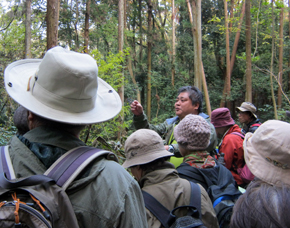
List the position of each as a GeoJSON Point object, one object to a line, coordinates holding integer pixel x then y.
{"type": "Point", "coordinates": [227, 86]}
{"type": "Point", "coordinates": [280, 74]}
{"type": "Point", "coordinates": [236, 42]}
{"type": "Point", "coordinates": [289, 50]}
{"type": "Point", "coordinates": [173, 44]}
{"type": "Point", "coordinates": [149, 64]}
{"type": "Point", "coordinates": [28, 30]}
{"type": "Point", "coordinates": [272, 62]}
{"type": "Point", "coordinates": [87, 18]}
{"type": "Point", "coordinates": [52, 23]}
{"type": "Point", "coordinates": [248, 53]}
{"type": "Point", "coordinates": [121, 19]}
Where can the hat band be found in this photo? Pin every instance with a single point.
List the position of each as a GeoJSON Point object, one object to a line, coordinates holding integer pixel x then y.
{"type": "Point", "coordinates": [58, 102]}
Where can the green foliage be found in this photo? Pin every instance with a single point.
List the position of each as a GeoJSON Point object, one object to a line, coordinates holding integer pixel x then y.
{"type": "Point", "coordinates": [103, 46]}
{"type": "Point", "coordinates": [6, 133]}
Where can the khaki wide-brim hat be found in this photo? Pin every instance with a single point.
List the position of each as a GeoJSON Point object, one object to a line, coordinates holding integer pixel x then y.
{"type": "Point", "coordinates": [142, 147]}
{"type": "Point", "coordinates": [267, 152]}
{"type": "Point", "coordinates": [248, 107]}
{"type": "Point", "coordinates": [63, 86]}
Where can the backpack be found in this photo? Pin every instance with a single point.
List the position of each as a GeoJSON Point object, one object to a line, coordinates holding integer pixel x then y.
{"type": "Point", "coordinates": [40, 201]}
{"type": "Point", "coordinates": [244, 172]}
{"type": "Point", "coordinates": [220, 186]}
{"type": "Point", "coordinates": [168, 218]}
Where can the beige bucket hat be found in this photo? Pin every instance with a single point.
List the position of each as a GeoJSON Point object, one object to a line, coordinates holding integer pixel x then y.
{"type": "Point", "coordinates": [142, 147]}
{"type": "Point", "coordinates": [63, 86]}
{"type": "Point", "coordinates": [248, 107]}
{"type": "Point", "coordinates": [267, 152]}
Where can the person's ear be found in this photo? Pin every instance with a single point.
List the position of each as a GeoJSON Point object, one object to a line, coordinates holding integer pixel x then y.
{"type": "Point", "coordinates": [30, 119]}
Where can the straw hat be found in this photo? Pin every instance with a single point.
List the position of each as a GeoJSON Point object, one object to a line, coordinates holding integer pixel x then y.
{"type": "Point", "coordinates": [142, 147]}
{"type": "Point", "coordinates": [63, 86]}
{"type": "Point", "coordinates": [267, 152]}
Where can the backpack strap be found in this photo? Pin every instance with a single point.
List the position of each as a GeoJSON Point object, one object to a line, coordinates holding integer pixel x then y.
{"type": "Point", "coordinates": [255, 125]}
{"type": "Point", "coordinates": [239, 134]}
{"type": "Point", "coordinates": [195, 197]}
{"type": "Point", "coordinates": [5, 163]}
{"type": "Point", "coordinates": [156, 208]}
{"type": "Point", "coordinates": [162, 213]}
{"type": "Point", "coordinates": [65, 169]}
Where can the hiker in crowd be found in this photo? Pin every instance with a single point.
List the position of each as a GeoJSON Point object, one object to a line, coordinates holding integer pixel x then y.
{"type": "Point", "coordinates": [266, 203]}
{"type": "Point", "coordinates": [248, 118]}
{"type": "Point", "coordinates": [148, 161]}
{"type": "Point", "coordinates": [20, 120]}
{"type": "Point", "coordinates": [192, 135]}
{"type": "Point", "coordinates": [288, 114]}
{"type": "Point", "coordinates": [188, 101]}
{"type": "Point", "coordinates": [62, 93]}
{"type": "Point", "coordinates": [231, 145]}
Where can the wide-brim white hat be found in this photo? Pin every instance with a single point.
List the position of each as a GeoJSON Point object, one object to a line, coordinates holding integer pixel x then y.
{"type": "Point", "coordinates": [63, 86]}
{"type": "Point", "coordinates": [267, 152]}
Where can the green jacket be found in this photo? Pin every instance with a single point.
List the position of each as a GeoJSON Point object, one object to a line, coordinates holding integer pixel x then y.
{"type": "Point", "coordinates": [104, 196]}
{"type": "Point", "coordinates": [171, 191]}
{"type": "Point", "coordinates": [165, 130]}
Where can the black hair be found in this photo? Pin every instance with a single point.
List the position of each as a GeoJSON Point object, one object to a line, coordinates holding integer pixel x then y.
{"type": "Point", "coordinates": [195, 95]}
{"type": "Point", "coordinates": [154, 165]}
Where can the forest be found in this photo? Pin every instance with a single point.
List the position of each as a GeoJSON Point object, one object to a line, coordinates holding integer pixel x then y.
{"type": "Point", "coordinates": [232, 50]}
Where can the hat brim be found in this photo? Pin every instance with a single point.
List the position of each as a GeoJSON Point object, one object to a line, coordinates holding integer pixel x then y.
{"type": "Point", "coordinates": [16, 76]}
{"type": "Point", "coordinates": [246, 110]}
{"type": "Point", "coordinates": [259, 166]}
{"type": "Point", "coordinates": [146, 158]}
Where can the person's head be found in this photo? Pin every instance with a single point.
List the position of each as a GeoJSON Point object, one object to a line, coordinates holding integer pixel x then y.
{"type": "Point", "coordinates": [288, 114]}
{"type": "Point", "coordinates": [144, 151]}
{"type": "Point", "coordinates": [262, 205]}
{"type": "Point", "coordinates": [192, 134]}
{"type": "Point", "coordinates": [267, 152]}
{"type": "Point", "coordinates": [188, 101]}
{"type": "Point", "coordinates": [222, 120]}
{"type": "Point", "coordinates": [20, 120]}
{"type": "Point", "coordinates": [62, 87]}
{"type": "Point", "coordinates": [246, 112]}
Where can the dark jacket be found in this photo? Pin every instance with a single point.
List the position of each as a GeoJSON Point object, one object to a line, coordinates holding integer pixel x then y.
{"type": "Point", "coordinates": [217, 181]}
{"type": "Point", "coordinates": [250, 128]}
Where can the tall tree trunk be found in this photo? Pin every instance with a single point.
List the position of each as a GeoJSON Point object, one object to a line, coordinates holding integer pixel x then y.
{"type": "Point", "coordinates": [235, 47]}
{"type": "Point", "coordinates": [130, 69]}
{"type": "Point", "coordinates": [289, 50]}
{"type": "Point", "coordinates": [121, 19]}
{"type": "Point", "coordinates": [280, 74]}
{"type": "Point", "coordinates": [231, 16]}
{"type": "Point", "coordinates": [141, 30]}
{"type": "Point", "coordinates": [205, 90]}
{"type": "Point", "coordinates": [248, 53]}
{"type": "Point", "coordinates": [52, 23]}
{"type": "Point", "coordinates": [272, 61]}
{"type": "Point", "coordinates": [173, 44]}
{"type": "Point", "coordinates": [195, 20]}
{"type": "Point", "coordinates": [87, 18]}
{"type": "Point", "coordinates": [258, 13]}
{"type": "Point", "coordinates": [28, 30]}
{"type": "Point", "coordinates": [198, 70]}
{"type": "Point", "coordinates": [227, 86]}
{"type": "Point", "coordinates": [149, 47]}
{"type": "Point", "coordinates": [76, 26]}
